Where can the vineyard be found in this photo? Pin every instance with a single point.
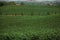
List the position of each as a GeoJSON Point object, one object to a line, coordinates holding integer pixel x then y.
{"type": "Point", "coordinates": [29, 10]}
{"type": "Point", "coordinates": [28, 22]}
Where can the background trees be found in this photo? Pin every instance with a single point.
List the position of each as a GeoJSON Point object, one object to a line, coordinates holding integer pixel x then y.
{"type": "Point", "coordinates": [7, 3]}
{"type": "Point", "coordinates": [11, 3]}
{"type": "Point", "coordinates": [3, 3]}
{"type": "Point", "coordinates": [22, 3]}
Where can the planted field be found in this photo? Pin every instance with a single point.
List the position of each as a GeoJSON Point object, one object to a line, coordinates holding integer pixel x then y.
{"type": "Point", "coordinates": [30, 26]}
{"type": "Point", "coordinates": [35, 27]}
{"type": "Point", "coordinates": [29, 10]}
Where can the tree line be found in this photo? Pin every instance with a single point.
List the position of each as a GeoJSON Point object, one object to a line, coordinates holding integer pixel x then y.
{"type": "Point", "coordinates": [9, 3]}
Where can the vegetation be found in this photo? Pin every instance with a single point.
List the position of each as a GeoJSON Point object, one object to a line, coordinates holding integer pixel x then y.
{"type": "Point", "coordinates": [29, 10]}
{"type": "Point", "coordinates": [2, 3]}
{"type": "Point", "coordinates": [22, 3]}
{"type": "Point", "coordinates": [30, 27]}
{"type": "Point", "coordinates": [11, 3]}
{"type": "Point", "coordinates": [29, 22]}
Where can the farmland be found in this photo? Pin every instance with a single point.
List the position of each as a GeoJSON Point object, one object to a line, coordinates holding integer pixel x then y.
{"type": "Point", "coordinates": [29, 10]}
{"type": "Point", "coordinates": [35, 22]}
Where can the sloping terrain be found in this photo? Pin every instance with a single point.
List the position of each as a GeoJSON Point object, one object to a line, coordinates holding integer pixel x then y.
{"type": "Point", "coordinates": [18, 26]}
{"type": "Point", "coordinates": [29, 27]}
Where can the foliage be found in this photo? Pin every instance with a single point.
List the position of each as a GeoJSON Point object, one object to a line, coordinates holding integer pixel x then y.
{"type": "Point", "coordinates": [30, 27]}
{"type": "Point", "coordinates": [11, 3]}
{"type": "Point", "coordinates": [44, 24]}
{"type": "Point", "coordinates": [22, 3]}
{"type": "Point", "coordinates": [29, 10]}
{"type": "Point", "coordinates": [3, 3]}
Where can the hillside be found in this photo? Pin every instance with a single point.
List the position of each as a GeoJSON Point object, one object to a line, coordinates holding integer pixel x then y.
{"type": "Point", "coordinates": [41, 26]}
{"type": "Point", "coordinates": [29, 10]}
{"type": "Point", "coordinates": [29, 22]}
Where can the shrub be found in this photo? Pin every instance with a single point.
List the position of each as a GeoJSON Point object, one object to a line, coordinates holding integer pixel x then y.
{"type": "Point", "coordinates": [22, 14]}
{"type": "Point", "coordinates": [48, 13]}
{"type": "Point", "coordinates": [35, 37]}
{"type": "Point", "coordinates": [1, 4]}
{"type": "Point", "coordinates": [22, 3]}
{"type": "Point", "coordinates": [11, 3]}
{"type": "Point", "coordinates": [5, 37]}
{"type": "Point", "coordinates": [32, 14]}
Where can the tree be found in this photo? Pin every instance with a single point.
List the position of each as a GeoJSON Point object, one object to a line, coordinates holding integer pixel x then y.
{"type": "Point", "coordinates": [11, 3]}
{"type": "Point", "coordinates": [22, 3]}
{"type": "Point", "coordinates": [0, 11]}
{"type": "Point", "coordinates": [1, 4]}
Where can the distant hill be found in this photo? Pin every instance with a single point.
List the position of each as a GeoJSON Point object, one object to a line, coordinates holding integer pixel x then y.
{"type": "Point", "coordinates": [36, 3]}
{"type": "Point", "coordinates": [39, 3]}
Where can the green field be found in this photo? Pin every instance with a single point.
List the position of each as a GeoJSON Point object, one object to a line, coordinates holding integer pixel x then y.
{"type": "Point", "coordinates": [29, 10]}
{"type": "Point", "coordinates": [44, 24]}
